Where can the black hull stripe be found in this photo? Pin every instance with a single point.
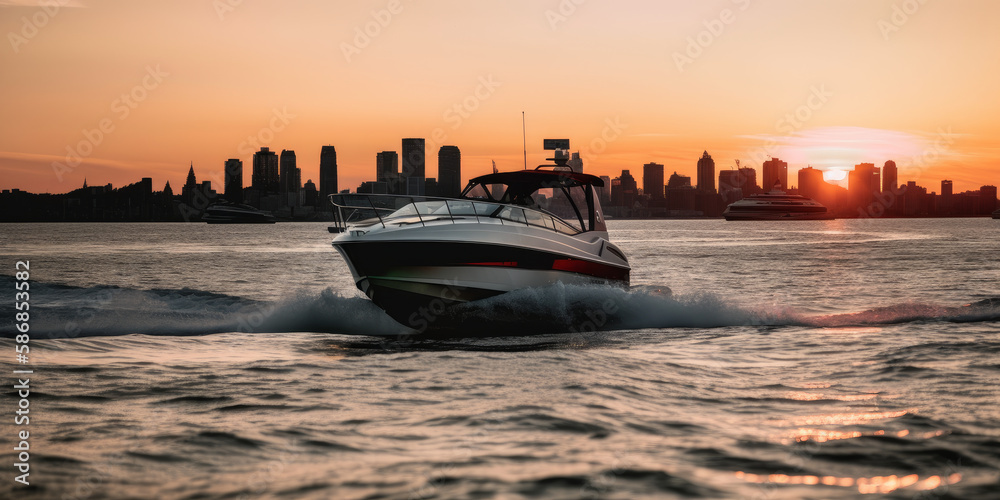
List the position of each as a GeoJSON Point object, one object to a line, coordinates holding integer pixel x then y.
{"type": "Point", "coordinates": [381, 258]}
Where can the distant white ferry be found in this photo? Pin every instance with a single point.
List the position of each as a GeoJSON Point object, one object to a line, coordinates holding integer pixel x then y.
{"type": "Point", "coordinates": [777, 205]}
{"type": "Point", "coordinates": [996, 214]}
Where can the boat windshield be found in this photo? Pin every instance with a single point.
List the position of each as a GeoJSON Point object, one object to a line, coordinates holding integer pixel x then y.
{"type": "Point", "coordinates": [573, 202]}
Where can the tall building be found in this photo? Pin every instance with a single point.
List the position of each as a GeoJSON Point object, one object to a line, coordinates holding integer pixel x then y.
{"type": "Point", "coordinates": [311, 194]}
{"type": "Point", "coordinates": [863, 184]}
{"type": "Point", "coordinates": [748, 176]}
{"type": "Point", "coordinates": [413, 166]}
{"type": "Point", "coordinates": [680, 194]}
{"type": "Point", "coordinates": [265, 171]}
{"type": "Point", "coordinates": [729, 186]}
{"type": "Point", "coordinates": [946, 188]}
{"type": "Point", "coordinates": [679, 181]}
{"type": "Point", "coordinates": [386, 167]}
{"type": "Point", "coordinates": [233, 176]}
{"type": "Point", "coordinates": [286, 174]}
{"type": "Point", "coordinates": [706, 173]}
{"type": "Point", "coordinates": [811, 182]}
{"type": "Point", "coordinates": [652, 180]}
{"type": "Point", "coordinates": [737, 184]}
{"type": "Point", "coordinates": [987, 199]}
{"type": "Point", "coordinates": [189, 187]}
{"type": "Point", "coordinates": [449, 181]}
{"type": "Point", "coordinates": [289, 178]}
{"type": "Point", "coordinates": [775, 171]}
{"type": "Point", "coordinates": [604, 192]}
{"type": "Point", "coordinates": [575, 162]}
{"type": "Point", "coordinates": [327, 174]}
{"type": "Point", "coordinates": [890, 178]}
{"type": "Point", "coordinates": [624, 193]}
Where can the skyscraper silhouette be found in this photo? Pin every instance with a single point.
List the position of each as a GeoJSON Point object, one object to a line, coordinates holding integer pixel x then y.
{"type": "Point", "coordinates": [449, 172]}
{"type": "Point", "coordinates": [234, 180]}
{"type": "Point", "coordinates": [413, 173]}
{"type": "Point", "coordinates": [191, 185]}
{"type": "Point", "coordinates": [652, 180]}
{"type": "Point", "coordinates": [628, 190]}
{"type": "Point", "coordinates": [811, 182]}
{"type": "Point", "coordinates": [775, 171]}
{"type": "Point", "coordinates": [327, 174]}
{"type": "Point", "coordinates": [265, 171]}
{"type": "Point", "coordinates": [387, 170]}
{"type": "Point", "coordinates": [575, 162]}
{"type": "Point", "coordinates": [311, 193]}
{"type": "Point", "coordinates": [890, 179]}
{"type": "Point", "coordinates": [863, 184]}
{"type": "Point", "coordinates": [286, 174]}
{"type": "Point", "coordinates": [289, 178]}
{"type": "Point", "coordinates": [987, 199]}
{"type": "Point", "coordinates": [706, 173]}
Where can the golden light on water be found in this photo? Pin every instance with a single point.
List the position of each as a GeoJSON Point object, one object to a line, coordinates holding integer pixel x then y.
{"type": "Point", "coordinates": [864, 485]}
{"type": "Point", "coordinates": [813, 396]}
{"type": "Point", "coordinates": [844, 418]}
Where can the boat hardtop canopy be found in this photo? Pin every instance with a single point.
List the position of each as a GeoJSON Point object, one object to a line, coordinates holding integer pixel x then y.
{"type": "Point", "coordinates": [538, 179]}
{"type": "Point", "coordinates": [556, 190]}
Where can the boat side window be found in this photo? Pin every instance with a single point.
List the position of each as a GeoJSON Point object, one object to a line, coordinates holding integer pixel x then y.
{"type": "Point", "coordinates": [515, 214]}
{"type": "Point", "coordinates": [536, 218]}
{"type": "Point", "coordinates": [408, 210]}
{"type": "Point", "coordinates": [486, 209]}
{"type": "Point", "coordinates": [461, 207]}
{"type": "Point", "coordinates": [437, 207]}
{"type": "Point", "coordinates": [565, 228]}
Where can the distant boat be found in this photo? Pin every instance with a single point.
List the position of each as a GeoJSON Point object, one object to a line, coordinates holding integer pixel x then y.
{"type": "Point", "coordinates": [777, 205]}
{"type": "Point", "coordinates": [235, 213]}
{"type": "Point", "coordinates": [996, 214]}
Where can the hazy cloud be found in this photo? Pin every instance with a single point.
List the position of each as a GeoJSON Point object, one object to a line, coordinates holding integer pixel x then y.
{"type": "Point", "coordinates": [39, 3]}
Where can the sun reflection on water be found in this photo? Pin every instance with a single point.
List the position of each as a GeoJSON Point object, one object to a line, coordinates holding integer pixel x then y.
{"type": "Point", "coordinates": [865, 485]}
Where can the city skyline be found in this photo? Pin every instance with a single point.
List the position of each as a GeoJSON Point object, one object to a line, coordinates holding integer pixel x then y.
{"type": "Point", "coordinates": [271, 172]}
{"type": "Point", "coordinates": [106, 91]}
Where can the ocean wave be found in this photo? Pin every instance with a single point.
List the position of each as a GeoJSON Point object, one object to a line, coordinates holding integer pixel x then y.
{"type": "Point", "coordinates": [61, 311]}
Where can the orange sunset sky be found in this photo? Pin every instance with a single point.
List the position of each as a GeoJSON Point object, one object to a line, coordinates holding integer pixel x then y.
{"type": "Point", "coordinates": [827, 83]}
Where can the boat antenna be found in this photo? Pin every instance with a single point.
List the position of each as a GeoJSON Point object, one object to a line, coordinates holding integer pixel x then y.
{"type": "Point", "coordinates": [524, 139]}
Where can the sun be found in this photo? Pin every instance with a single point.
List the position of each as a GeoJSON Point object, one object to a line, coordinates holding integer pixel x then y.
{"type": "Point", "coordinates": [834, 175]}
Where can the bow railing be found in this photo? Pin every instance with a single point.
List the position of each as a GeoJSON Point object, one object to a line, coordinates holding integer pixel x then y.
{"type": "Point", "coordinates": [363, 210]}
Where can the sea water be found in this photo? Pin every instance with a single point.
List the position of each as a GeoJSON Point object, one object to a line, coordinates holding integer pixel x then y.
{"type": "Point", "coordinates": [824, 359]}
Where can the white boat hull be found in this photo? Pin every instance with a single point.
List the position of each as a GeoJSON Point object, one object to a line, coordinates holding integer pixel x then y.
{"type": "Point", "coordinates": [411, 270]}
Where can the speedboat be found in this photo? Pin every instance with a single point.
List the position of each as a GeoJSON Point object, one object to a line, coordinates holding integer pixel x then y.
{"type": "Point", "coordinates": [776, 205]}
{"type": "Point", "coordinates": [416, 257]}
{"type": "Point", "coordinates": [235, 213]}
